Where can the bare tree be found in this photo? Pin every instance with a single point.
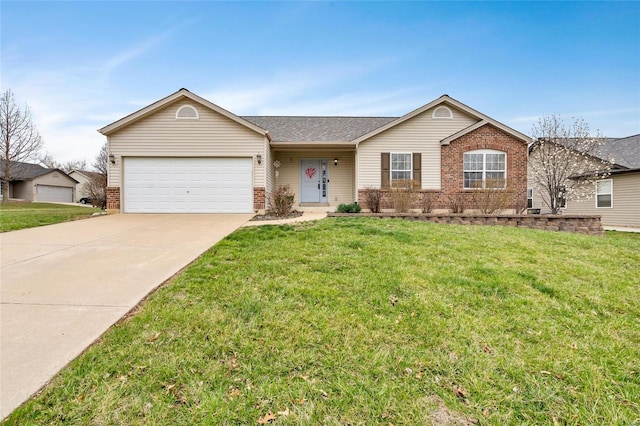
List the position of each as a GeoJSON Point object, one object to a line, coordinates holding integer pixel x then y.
{"type": "Point", "coordinates": [102, 160]}
{"type": "Point", "coordinates": [560, 153]}
{"type": "Point", "coordinates": [49, 162]}
{"type": "Point", "coordinates": [97, 186]}
{"type": "Point", "coordinates": [20, 138]}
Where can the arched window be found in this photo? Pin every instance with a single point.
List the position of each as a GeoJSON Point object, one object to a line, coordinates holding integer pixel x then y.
{"type": "Point", "coordinates": [484, 168]}
{"type": "Point", "coordinates": [187, 112]}
{"type": "Point", "coordinates": [442, 112]}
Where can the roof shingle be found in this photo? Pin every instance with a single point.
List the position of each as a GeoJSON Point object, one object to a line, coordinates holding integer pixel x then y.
{"type": "Point", "coordinates": [317, 129]}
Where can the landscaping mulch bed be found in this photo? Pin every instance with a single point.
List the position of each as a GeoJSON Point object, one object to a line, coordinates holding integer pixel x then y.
{"type": "Point", "coordinates": [271, 216]}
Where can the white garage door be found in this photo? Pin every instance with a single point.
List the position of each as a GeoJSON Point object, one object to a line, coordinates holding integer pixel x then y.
{"type": "Point", "coordinates": [188, 185]}
{"type": "Point", "coordinates": [57, 194]}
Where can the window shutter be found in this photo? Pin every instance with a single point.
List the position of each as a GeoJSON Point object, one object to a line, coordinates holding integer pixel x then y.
{"type": "Point", "coordinates": [384, 169]}
{"type": "Point", "coordinates": [417, 169]}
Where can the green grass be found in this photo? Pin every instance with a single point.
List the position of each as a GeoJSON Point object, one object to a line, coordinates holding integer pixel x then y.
{"type": "Point", "coordinates": [14, 216]}
{"type": "Point", "coordinates": [369, 321]}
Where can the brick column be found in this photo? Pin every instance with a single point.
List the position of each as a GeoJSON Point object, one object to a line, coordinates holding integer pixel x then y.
{"type": "Point", "coordinates": [259, 196]}
{"type": "Point", "coordinates": [113, 199]}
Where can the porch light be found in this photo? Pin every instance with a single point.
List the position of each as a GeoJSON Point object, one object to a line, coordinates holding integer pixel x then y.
{"type": "Point", "coordinates": [335, 162]}
{"type": "Point", "coordinates": [259, 158]}
{"type": "Point", "coordinates": [112, 159]}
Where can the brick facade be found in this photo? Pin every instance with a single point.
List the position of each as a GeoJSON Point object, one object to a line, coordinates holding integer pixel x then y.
{"type": "Point", "coordinates": [113, 199]}
{"type": "Point", "coordinates": [485, 137]}
{"type": "Point", "coordinates": [259, 195]}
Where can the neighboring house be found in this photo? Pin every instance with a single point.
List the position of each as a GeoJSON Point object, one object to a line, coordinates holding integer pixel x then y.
{"type": "Point", "coordinates": [84, 177]}
{"type": "Point", "coordinates": [616, 197]}
{"type": "Point", "coordinates": [32, 182]}
{"type": "Point", "coordinates": [186, 154]}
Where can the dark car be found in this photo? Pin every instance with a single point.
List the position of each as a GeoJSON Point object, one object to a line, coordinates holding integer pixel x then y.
{"type": "Point", "coordinates": [100, 202]}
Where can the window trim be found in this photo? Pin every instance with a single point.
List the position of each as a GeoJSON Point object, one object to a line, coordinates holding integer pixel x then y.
{"type": "Point", "coordinates": [442, 107]}
{"type": "Point", "coordinates": [529, 198]}
{"type": "Point", "coordinates": [484, 153]}
{"type": "Point", "coordinates": [391, 169]}
{"type": "Point", "coordinates": [178, 117]}
{"type": "Point", "coordinates": [610, 193]}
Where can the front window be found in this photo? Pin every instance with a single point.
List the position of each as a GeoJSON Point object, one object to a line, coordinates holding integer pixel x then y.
{"type": "Point", "coordinates": [484, 169]}
{"type": "Point", "coordinates": [401, 167]}
{"type": "Point", "coordinates": [604, 193]}
{"type": "Point", "coordinates": [529, 198]}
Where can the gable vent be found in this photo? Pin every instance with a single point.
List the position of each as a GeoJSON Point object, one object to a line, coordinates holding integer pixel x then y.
{"type": "Point", "coordinates": [442, 112]}
{"type": "Point", "coordinates": [187, 112]}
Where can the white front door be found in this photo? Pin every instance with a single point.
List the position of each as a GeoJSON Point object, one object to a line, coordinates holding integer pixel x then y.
{"type": "Point", "coordinates": [314, 181]}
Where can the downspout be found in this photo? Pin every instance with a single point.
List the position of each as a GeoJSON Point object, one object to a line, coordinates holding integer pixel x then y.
{"type": "Point", "coordinates": [356, 171]}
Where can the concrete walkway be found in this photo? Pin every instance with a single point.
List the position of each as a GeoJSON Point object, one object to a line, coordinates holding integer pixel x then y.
{"type": "Point", "coordinates": [64, 285]}
{"type": "Point", "coordinates": [621, 229]}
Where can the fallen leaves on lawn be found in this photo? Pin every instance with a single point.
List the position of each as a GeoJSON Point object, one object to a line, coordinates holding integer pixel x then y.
{"type": "Point", "coordinates": [284, 413]}
{"type": "Point", "coordinates": [268, 418]}
{"type": "Point", "coordinates": [393, 300]}
{"type": "Point", "coordinates": [458, 390]}
{"type": "Point", "coordinates": [234, 392]}
{"type": "Point", "coordinates": [153, 338]}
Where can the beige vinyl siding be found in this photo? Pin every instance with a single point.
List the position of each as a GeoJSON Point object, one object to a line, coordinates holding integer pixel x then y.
{"type": "Point", "coordinates": [538, 202]}
{"type": "Point", "coordinates": [23, 190]}
{"type": "Point", "coordinates": [26, 190]}
{"type": "Point", "coordinates": [80, 187]}
{"type": "Point", "coordinates": [341, 177]}
{"type": "Point", "coordinates": [421, 133]}
{"type": "Point", "coordinates": [626, 202]}
{"type": "Point", "coordinates": [268, 168]}
{"type": "Point", "coordinates": [161, 135]}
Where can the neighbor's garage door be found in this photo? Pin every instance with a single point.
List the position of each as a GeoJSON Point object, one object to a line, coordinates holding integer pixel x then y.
{"type": "Point", "coordinates": [188, 185]}
{"type": "Point", "coordinates": [57, 194]}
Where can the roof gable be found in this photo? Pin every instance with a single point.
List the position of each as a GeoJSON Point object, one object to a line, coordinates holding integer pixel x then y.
{"type": "Point", "coordinates": [448, 101]}
{"type": "Point", "coordinates": [30, 171]}
{"type": "Point", "coordinates": [174, 97]}
{"type": "Point", "coordinates": [86, 174]}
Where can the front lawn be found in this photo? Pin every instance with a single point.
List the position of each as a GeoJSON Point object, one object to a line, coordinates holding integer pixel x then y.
{"type": "Point", "coordinates": [14, 216]}
{"type": "Point", "coordinates": [369, 321]}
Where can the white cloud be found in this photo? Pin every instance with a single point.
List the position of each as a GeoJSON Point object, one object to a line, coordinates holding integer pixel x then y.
{"type": "Point", "coordinates": [304, 91]}
{"type": "Point", "coordinates": [130, 53]}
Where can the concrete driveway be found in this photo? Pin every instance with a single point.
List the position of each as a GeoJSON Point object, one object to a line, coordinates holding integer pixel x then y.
{"type": "Point", "coordinates": [64, 285]}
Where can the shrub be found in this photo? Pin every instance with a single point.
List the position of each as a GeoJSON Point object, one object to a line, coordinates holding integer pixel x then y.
{"type": "Point", "coordinates": [281, 201]}
{"type": "Point", "coordinates": [428, 201]}
{"type": "Point", "coordinates": [456, 202]}
{"type": "Point", "coordinates": [373, 199]}
{"type": "Point", "coordinates": [349, 208]}
{"type": "Point", "coordinates": [96, 189]}
{"type": "Point", "coordinates": [404, 193]}
{"type": "Point", "coordinates": [495, 197]}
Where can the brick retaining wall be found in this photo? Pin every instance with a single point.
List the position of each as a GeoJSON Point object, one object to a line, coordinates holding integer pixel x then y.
{"type": "Point", "coordinates": [581, 224]}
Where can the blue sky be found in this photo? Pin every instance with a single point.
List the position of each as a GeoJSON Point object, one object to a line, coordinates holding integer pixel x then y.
{"type": "Point", "coordinates": [82, 65]}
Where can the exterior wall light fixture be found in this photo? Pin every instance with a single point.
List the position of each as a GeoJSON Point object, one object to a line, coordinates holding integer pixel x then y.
{"type": "Point", "coordinates": [112, 159]}
{"type": "Point", "coordinates": [259, 158]}
{"type": "Point", "coordinates": [335, 162]}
